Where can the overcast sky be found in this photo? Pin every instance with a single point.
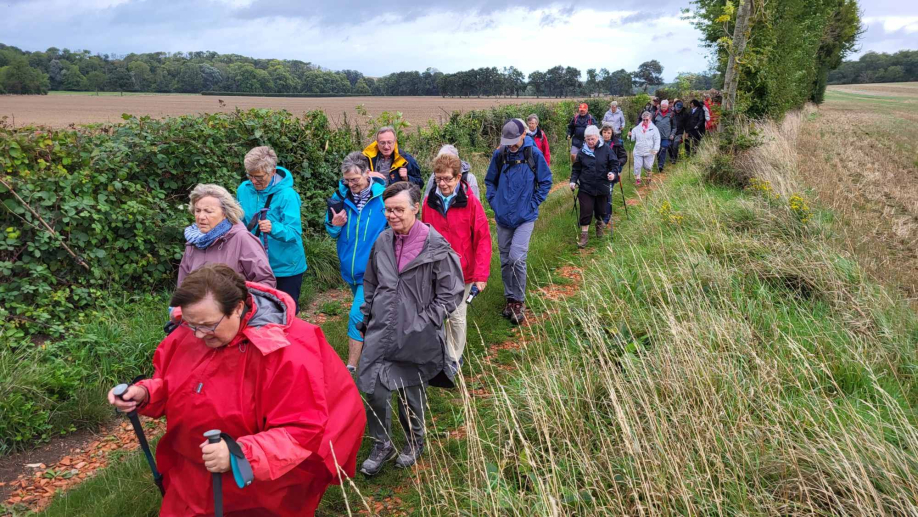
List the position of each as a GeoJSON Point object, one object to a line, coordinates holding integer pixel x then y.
{"type": "Point", "coordinates": [379, 37]}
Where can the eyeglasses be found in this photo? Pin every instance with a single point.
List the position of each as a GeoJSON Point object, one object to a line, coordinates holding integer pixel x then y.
{"type": "Point", "coordinates": [256, 178]}
{"type": "Point", "coordinates": [203, 329]}
{"type": "Point", "coordinates": [440, 180]}
{"type": "Point", "coordinates": [355, 181]}
{"type": "Point", "coordinates": [385, 143]}
{"type": "Point", "coordinates": [397, 210]}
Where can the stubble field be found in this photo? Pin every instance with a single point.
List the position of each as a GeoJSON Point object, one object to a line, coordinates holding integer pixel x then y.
{"type": "Point", "coordinates": [62, 110]}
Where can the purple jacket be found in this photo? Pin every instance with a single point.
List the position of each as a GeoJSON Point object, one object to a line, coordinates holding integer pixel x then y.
{"type": "Point", "coordinates": [238, 249]}
{"type": "Point", "coordinates": [408, 247]}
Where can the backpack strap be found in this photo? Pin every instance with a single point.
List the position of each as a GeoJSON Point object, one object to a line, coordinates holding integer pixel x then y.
{"type": "Point", "coordinates": [253, 223]}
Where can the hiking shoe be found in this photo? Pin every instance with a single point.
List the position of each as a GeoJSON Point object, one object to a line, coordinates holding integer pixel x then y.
{"type": "Point", "coordinates": [584, 238]}
{"type": "Point", "coordinates": [507, 312]}
{"type": "Point", "coordinates": [637, 182]}
{"type": "Point", "coordinates": [409, 455]}
{"type": "Point", "coordinates": [599, 230]}
{"type": "Point", "coordinates": [379, 455]}
{"type": "Point", "coordinates": [519, 312]}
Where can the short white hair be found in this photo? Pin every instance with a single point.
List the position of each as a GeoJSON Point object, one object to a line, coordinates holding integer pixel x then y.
{"type": "Point", "coordinates": [665, 102]}
{"type": "Point", "coordinates": [386, 129]}
{"type": "Point", "coordinates": [614, 104]}
{"type": "Point", "coordinates": [260, 159]}
{"type": "Point", "coordinates": [591, 130]}
{"type": "Point", "coordinates": [646, 114]}
{"type": "Point", "coordinates": [448, 149]}
{"type": "Point", "coordinates": [231, 209]}
{"type": "Point", "coordinates": [533, 117]}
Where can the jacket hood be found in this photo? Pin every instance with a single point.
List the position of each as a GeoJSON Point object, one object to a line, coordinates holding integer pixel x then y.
{"type": "Point", "coordinates": [465, 167]}
{"type": "Point", "coordinates": [372, 151]}
{"type": "Point", "coordinates": [271, 313]}
{"type": "Point", "coordinates": [286, 181]}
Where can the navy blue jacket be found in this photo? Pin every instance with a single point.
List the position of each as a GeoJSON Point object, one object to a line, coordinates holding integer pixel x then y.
{"type": "Point", "coordinates": [516, 195]}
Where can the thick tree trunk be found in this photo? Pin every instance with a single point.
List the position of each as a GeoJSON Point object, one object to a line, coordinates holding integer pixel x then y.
{"type": "Point", "coordinates": [731, 76]}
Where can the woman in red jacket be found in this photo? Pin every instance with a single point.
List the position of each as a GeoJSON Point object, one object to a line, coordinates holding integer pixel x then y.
{"type": "Point", "coordinates": [461, 219]}
{"type": "Point", "coordinates": [539, 136]}
{"type": "Point", "coordinates": [242, 363]}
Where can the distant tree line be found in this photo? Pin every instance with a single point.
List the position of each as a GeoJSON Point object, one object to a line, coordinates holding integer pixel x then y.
{"type": "Point", "coordinates": [24, 72]}
{"type": "Point", "coordinates": [875, 67]}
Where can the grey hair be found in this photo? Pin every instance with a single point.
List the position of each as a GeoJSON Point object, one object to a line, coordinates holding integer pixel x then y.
{"type": "Point", "coordinates": [533, 117]}
{"type": "Point", "coordinates": [646, 115]}
{"type": "Point", "coordinates": [605, 126]}
{"type": "Point", "coordinates": [261, 159]}
{"type": "Point", "coordinates": [386, 129]}
{"type": "Point", "coordinates": [664, 102]}
{"type": "Point", "coordinates": [414, 193]}
{"type": "Point", "coordinates": [228, 203]}
{"type": "Point", "coordinates": [355, 160]}
{"type": "Point", "coordinates": [448, 149]}
{"type": "Point", "coordinates": [591, 130]}
{"type": "Point", "coordinates": [614, 103]}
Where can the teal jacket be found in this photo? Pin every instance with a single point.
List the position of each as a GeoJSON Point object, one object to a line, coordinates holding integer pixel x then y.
{"type": "Point", "coordinates": [356, 238]}
{"type": "Point", "coordinates": [285, 242]}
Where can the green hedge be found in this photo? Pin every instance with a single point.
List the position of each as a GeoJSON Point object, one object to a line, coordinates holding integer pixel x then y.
{"type": "Point", "coordinates": [116, 196]}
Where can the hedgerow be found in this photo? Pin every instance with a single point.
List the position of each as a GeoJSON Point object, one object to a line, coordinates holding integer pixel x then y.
{"type": "Point", "coordinates": [90, 210]}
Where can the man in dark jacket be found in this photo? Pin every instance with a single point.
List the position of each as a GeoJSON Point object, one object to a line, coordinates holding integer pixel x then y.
{"type": "Point", "coordinates": [577, 126]}
{"type": "Point", "coordinates": [664, 122]}
{"type": "Point", "coordinates": [694, 127]}
{"type": "Point", "coordinates": [388, 163]}
{"type": "Point", "coordinates": [518, 181]}
{"type": "Point", "coordinates": [679, 121]}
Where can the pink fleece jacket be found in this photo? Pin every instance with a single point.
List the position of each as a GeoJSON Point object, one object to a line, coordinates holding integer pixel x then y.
{"type": "Point", "coordinates": [410, 245]}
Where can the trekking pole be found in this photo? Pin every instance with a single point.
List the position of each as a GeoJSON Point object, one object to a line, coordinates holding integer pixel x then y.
{"type": "Point", "coordinates": [624, 204]}
{"type": "Point", "coordinates": [263, 215]}
{"type": "Point", "coordinates": [213, 436]}
{"type": "Point", "coordinates": [119, 392]}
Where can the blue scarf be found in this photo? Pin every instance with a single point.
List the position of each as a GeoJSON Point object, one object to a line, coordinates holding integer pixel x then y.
{"type": "Point", "coordinates": [589, 152]}
{"type": "Point", "coordinates": [203, 240]}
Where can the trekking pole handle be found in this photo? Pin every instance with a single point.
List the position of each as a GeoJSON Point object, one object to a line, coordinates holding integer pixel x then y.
{"type": "Point", "coordinates": [213, 436]}
{"type": "Point", "coordinates": [120, 390]}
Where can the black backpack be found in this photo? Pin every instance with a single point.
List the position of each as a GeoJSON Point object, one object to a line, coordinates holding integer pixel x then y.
{"type": "Point", "coordinates": [503, 158]}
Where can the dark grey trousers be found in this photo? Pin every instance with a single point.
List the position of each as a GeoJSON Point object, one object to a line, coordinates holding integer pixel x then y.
{"type": "Point", "coordinates": [513, 244]}
{"type": "Point", "coordinates": [412, 405]}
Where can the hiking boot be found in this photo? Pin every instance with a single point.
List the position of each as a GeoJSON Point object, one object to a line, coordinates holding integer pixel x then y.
{"type": "Point", "coordinates": [507, 312]}
{"type": "Point", "coordinates": [519, 312]}
{"type": "Point", "coordinates": [599, 230]}
{"type": "Point", "coordinates": [409, 455]}
{"type": "Point", "coordinates": [379, 456]}
{"type": "Point", "coordinates": [584, 238]}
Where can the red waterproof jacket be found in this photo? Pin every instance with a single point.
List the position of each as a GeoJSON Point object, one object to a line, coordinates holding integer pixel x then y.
{"type": "Point", "coordinates": [279, 389]}
{"type": "Point", "coordinates": [465, 227]}
{"type": "Point", "coordinates": [541, 142]}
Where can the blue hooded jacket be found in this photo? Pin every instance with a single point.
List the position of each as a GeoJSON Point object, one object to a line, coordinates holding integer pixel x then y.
{"type": "Point", "coordinates": [357, 236]}
{"type": "Point", "coordinates": [516, 196]}
{"type": "Point", "coordinates": [285, 242]}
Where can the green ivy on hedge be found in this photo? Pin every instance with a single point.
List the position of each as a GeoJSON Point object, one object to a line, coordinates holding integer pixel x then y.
{"type": "Point", "coordinates": [117, 197]}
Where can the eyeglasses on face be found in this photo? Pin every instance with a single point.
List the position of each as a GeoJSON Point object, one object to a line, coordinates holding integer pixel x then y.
{"type": "Point", "coordinates": [258, 178]}
{"type": "Point", "coordinates": [203, 328]}
{"type": "Point", "coordinates": [441, 180]}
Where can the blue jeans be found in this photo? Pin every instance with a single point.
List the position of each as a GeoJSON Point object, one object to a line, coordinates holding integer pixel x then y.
{"type": "Point", "coordinates": [355, 316]}
{"type": "Point", "coordinates": [661, 156]}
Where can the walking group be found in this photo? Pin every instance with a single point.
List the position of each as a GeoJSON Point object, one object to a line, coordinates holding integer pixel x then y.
{"type": "Point", "coordinates": [282, 413]}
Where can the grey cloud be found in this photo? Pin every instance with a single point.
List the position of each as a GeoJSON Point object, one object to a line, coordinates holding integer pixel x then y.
{"type": "Point", "coordinates": [552, 18]}
{"type": "Point", "coordinates": [877, 39]}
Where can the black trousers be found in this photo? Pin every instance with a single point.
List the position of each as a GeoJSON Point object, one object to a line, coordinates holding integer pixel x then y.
{"type": "Point", "coordinates": [592, 206]}
{"type": "Point", "coordinates": [291, 285]}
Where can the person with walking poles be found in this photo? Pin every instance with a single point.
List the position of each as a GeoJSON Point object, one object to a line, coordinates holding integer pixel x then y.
{"type": "Point", "coordinates": [518, 181]}
{"type": "Point", "coordinates": [539, 136]}
{"type": "Point", "coordinates": [595, 171]}
{"type": "Point", "coordinates": [577, 126]}
{"type": "Point", "coordinates": [646, 138]}
{"type": "Point", "coordinates": [615, 118]}
{"type": "Point", "coordinates": [412, 283]}
{"type": "Point", "coordinates": [622, 156]}
{"type": "Point", "coordinates": [664, 122]}
{"type": "Point", "coordinates": [461, 220]}
{"type": "Point", "coordinates": [241, 362]}
{"type": "Point", "coordinates": [271, 210]}
{"type": "Point", "coordinates": [467, 176]}
{"type": "Point", "coordinates": [694, 128]}
{"type": "Point", "coordinates": [355, 217]}
{"type": "Point", "coordinates": [390, 164]}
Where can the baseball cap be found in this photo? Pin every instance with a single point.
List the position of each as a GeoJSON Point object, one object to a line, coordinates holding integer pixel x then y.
{"type": "Point", "coordinates": [512, 131]}
{"type": "Point", "coordinates": [584, 106]}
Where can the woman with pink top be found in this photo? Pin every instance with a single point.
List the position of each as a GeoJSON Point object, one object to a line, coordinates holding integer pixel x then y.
{"type": "Point", "coordinates": [412, 283]}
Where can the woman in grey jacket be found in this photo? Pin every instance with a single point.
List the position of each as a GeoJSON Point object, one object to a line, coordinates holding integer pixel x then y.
{"type": "Point", "coordinates": [646, 138]}
{"type": "Point", "coordinates": [412, 283]}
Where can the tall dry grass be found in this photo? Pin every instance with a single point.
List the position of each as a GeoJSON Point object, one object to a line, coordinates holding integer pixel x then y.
{"type": "Point", "coordinates": [726, 361]}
